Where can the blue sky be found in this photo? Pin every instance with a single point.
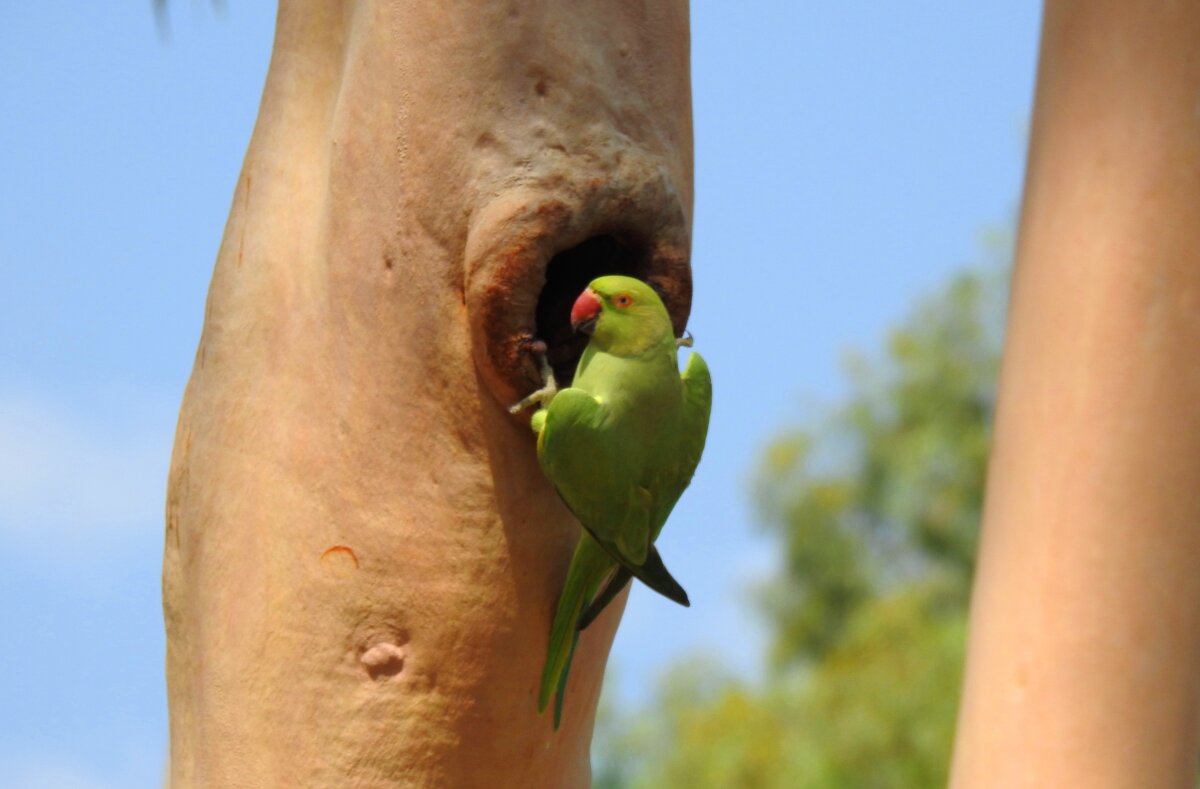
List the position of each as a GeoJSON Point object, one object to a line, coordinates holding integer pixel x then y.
{"type": "Point", "coordinates": [849, 155]}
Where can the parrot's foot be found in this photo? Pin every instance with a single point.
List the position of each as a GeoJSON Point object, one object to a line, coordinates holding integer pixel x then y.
{"type": "Point", "coordinates": [543, 396]}
{"type": "Point", "coordinates": [685, 341]}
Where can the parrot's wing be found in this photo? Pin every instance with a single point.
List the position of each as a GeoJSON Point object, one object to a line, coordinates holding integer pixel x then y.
{"type": "Point", "coordinates": [591, 470]}
{"type": "Point", "coordinates": [620, 579]}
{"type": "Point", "coordinates": [697, 405]}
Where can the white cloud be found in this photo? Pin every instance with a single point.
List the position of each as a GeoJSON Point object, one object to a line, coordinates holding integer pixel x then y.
{"type": "Point", "coordinates": [87, 472]}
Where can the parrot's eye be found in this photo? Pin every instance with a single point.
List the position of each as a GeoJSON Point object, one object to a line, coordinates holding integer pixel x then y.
{"type": "Point", "coordinates": [623, 300]}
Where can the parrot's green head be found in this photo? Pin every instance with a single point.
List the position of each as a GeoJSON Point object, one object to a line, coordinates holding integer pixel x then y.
{"type": "Point", "coordinates": [624, 316]}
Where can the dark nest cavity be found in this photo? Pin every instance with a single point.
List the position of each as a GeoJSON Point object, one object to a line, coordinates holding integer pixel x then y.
{"type": "Point", "coordinates": [567, 274]}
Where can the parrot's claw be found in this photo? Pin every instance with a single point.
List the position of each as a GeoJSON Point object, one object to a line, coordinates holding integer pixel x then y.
{"type": "Point", "coordinates": [543, 396]}
{"type": "Point", "coordinates": [685, 341]}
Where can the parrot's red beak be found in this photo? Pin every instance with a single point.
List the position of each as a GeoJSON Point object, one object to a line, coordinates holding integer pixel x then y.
{"type": "Point", "coordinates": [585, 312]}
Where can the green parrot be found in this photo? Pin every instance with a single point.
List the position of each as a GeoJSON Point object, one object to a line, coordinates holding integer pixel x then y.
{"type": "Point", "coordinates": [620, 445]}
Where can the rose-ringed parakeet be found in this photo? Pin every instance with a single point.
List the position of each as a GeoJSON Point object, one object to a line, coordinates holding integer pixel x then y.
{"type": "Point", "coordinates": [620, 445]}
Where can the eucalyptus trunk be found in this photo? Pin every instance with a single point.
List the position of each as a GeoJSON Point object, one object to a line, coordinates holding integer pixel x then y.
{"type": "Point", "coordinates": [362, 556]}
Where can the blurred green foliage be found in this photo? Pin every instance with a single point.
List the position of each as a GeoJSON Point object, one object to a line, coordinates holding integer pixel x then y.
{"type": "Point", "coordinates": [876, 509]}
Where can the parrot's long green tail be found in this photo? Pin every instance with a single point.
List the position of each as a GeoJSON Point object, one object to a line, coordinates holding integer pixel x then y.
{"type": "Point", "coordinates": [589, 566]}
{"type": "Point", "coordinates": [611, 589]}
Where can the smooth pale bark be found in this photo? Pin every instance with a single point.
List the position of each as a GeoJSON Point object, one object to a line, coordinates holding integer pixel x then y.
{"type": "Point", "coordinates": [1084, 655]}
{"type": "Point", "coordinates": [362, 556]}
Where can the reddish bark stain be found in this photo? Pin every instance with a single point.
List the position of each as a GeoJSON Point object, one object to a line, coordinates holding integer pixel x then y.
{"type": "Point", "coordinates": [340, 557]}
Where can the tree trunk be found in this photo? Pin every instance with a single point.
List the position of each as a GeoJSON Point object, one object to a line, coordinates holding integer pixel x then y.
{"type": "Point", "coordinates": [1084, 655]}
{"type": "Point", "coordinates": [362, 555]}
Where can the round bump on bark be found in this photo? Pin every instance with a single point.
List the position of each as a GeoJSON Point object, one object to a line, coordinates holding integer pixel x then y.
{"type": "Point", "coordinates": [383, 660]}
